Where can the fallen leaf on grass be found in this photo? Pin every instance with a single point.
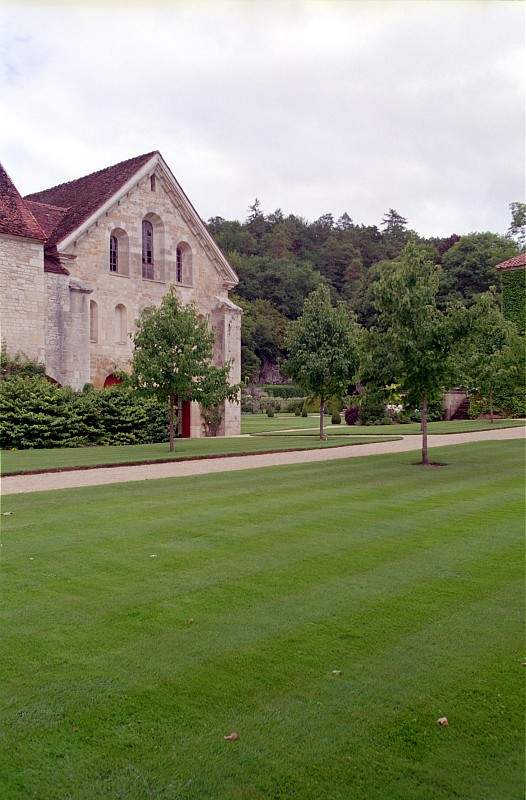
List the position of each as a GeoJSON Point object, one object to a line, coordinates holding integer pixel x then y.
{"type": "Point", "coordinates": [443, 722]}
{"type": "Point", "coordinates": [232, 737]}
{"type": "Point", "coordinates": [336, 672]}
{"type": "Point", "coordinates": [6, 513]}
{"type": "Point", "coordinates": [153, 555]}
{"type": "Point", "coordinates": [189, 621]}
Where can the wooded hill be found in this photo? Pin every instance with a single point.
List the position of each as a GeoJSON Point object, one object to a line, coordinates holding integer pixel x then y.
{"type": "Point", "coordinates": [281, 258]}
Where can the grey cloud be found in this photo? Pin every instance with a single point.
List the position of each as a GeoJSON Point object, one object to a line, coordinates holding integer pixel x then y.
{"type": "Point", "coordinates": [313, 107]}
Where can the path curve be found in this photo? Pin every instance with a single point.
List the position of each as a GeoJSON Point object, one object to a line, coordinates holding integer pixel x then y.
{"type": "Point", "coordinates": [18, 484]}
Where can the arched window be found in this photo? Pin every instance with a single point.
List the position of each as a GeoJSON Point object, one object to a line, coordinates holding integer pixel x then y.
{"type": "Point", "coordinates": [147, 250]}
{"type": "Point", "coordinates": [121, 324]}
{"type": "Point", "coordinates": [114, 254]}
{"type": "Point", "coordinates": [119, 252]}
{"type": "Point", "coordinates": [183, 264]}
{"type": "Point", "coordinates": [93, 321]}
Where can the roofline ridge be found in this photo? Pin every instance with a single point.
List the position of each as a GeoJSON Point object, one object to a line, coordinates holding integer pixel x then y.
{"type": "Point", "coordinates": [48, 205]}
{"type": "Point", "coordinates": [89, 175]}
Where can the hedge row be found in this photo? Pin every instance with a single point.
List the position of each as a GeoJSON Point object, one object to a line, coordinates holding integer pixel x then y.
{"type": "Point", "coordinates": [36, 413]}
{"type": "Point", "coordinates": [286, 390]}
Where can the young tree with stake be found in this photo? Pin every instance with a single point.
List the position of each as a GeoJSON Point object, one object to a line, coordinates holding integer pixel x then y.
{"type": "Point", "coordinates": [172, 358]}
{"type": "Point", "coordinates": [323, 348]}
{"type": "Point", "coordinates": [416, 337]}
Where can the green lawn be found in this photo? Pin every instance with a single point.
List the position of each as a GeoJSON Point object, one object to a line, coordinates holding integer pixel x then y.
{"type": "Point", "coordinates": [260, 423]}
{"type": "Point", "coordinates": [13, 461]}
{"type": "Point", "coordinates": [406, 580]}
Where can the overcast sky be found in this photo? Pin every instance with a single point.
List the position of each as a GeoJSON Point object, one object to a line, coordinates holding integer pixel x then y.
{"type": "Point", "coordinates": [314, 107]}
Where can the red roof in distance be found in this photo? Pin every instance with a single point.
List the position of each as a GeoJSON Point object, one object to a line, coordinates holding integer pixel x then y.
{"type": "Point", "coordinates": [513, 263]}
{"type": "Point", "coordinates": [15, 217]}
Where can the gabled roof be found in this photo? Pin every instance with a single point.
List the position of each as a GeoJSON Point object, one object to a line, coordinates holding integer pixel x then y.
{"type": "Point", "coordinates": [15, 217]}
{"type": "Point", "coordinates": [513, 263]}
{"type": "Point", "coordinates": [80, 198]}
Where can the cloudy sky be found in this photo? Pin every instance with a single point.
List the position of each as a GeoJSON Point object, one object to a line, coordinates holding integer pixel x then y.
{"type": "Point", "coordinates": [311, 106]}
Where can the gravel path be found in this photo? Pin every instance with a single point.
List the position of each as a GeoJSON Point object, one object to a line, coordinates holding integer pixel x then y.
{"type": "Point", "coordinates": [17, 484]}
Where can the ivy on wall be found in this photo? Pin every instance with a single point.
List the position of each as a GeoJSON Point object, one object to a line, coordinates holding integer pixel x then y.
{"type": "Point", "coordinates": [513, 284]}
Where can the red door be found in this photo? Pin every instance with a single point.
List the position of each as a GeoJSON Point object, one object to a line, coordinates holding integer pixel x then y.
{"type": "Point", "coordinates": [185, 420]}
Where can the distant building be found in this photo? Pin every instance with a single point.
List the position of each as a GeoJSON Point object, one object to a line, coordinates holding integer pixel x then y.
{"type": "Point", "coordinates": [513, 283]}
{"type": "Point", "coordinates": [79, 262]}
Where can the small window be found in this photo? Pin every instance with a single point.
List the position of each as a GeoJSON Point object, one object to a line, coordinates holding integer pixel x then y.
{"type": "Point", "coordinates": [93, 321]}
{"type": "Point", "coordinates": [152, 183]}
{"type": "Point", "coordinates": [183, 264]}
{"type": "Point", "coordinates": [179, 265]}
{"type": "Point", "coordinates": [114, 254]}
{"type": "Point", "coordinates": [147, 250]}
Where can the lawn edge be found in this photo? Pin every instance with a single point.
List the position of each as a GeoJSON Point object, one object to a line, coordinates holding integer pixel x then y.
{"type": "Point", "coordinates": [210, 457]}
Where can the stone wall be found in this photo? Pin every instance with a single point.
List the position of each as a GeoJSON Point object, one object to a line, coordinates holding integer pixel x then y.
{"type": "Point", "coordinates": [22, 296]}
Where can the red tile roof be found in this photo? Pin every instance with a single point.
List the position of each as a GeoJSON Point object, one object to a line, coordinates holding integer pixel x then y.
{"type": "Point", "coordinates": [82, 197]}
{"type": "Point", "coordinates": [47, 216]}
{"type": "Point", "coordinates": [15, 217]}
{"type": "Point", "coordinates": [513, 263]}
{"type": "Point", "coordinates": [52, 263]}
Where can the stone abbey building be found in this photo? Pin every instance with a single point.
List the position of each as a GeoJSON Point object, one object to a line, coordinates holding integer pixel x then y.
{"type": "Point", "coordinates": [79, 262]}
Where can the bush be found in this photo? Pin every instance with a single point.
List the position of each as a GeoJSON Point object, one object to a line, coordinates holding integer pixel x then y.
{"type": "Point", "coordinates": [270, 412]}
{"type": "Point", "coordinates": [286, 390]}
{"type": "Point", "coordinates": [297, 413]}
{"type": "Point", "coordinates": [36, 413]}
{"type": "Point", "coordinates": [336, 419]}
{"type": "Point", "coordinates": [372, 408]}
{"type": "Point", "coordinates": [352, 415]}
{"type": "Point", "coordinates": [304, 412]}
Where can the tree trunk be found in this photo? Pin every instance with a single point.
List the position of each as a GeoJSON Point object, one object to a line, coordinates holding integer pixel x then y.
{"type": "Point", "coordinates": [423, 413]}
{"type": "Point", "coordinates": [171, 423]}
{"type": "Point", "coordinates": [322, 432]}
{"type": "Point", "coordinates": [490, 398]}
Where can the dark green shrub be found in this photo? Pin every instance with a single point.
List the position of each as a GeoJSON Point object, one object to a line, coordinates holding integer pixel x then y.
{"type": "Point", "coordinates": [304, 412]}
{"type": "Point", "coordinates": [36, 413]}
{"type": "Point", "coordinates": [336, 419]}
{"type": "Point", "coordinates": [297, 413]}
{"type": "Point", "coordinates": [270, 412]}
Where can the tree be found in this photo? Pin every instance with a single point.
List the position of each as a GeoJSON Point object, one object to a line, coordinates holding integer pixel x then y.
{"type": "Point", "coordinates": [172, 358]}
{"type": "Point", "coordinates": [413, 338]}
{"type": "Point", "coordinates": [469, 266]}
{"type": "Point", "coordinates": [393, 222]}
{"type": "Point", "coordinates": [262, 336]}
{"type": "Point", "coordinates": [517, 229]}
{"type": "Point", "coordinates": [491, 358]}
{"type": "Point", "coordinates": [323, 346]}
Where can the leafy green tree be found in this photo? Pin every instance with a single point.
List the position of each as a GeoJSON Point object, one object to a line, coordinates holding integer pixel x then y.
{"type": "Point", "coordinates": [414, 340]}
{"type": "Point", "coordinates": [517, 229]}
{"type": "Point", "coordinates": [283, 282]}
{"type": "Point", "coordinates": [323, 348]}
{"type": "Point", "coordinates": [172, 358]}
{"type": "Point", "coordinates": [491, 358]}
{"type": "Point", "coordinates": [469, 266]}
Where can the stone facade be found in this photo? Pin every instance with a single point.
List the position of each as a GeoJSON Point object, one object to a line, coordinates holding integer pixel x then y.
{"type": "Point", "coordinates": [23, 296]}
{"type": "Point", "coordinates": [81, 324]}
